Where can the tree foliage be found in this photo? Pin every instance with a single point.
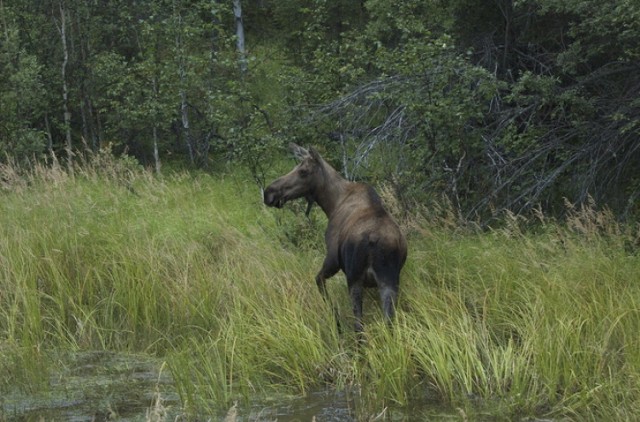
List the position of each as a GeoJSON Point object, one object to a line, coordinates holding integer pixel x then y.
{"type": "Point", "coordinates": [505, 104]}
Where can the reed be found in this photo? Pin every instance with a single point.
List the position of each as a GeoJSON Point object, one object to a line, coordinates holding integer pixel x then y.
{"type": "Point", "coordinates": [511, 322]}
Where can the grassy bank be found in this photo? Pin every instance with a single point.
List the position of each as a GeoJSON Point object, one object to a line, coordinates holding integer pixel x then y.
{"type": "Point", "coordinates": [193, 270]}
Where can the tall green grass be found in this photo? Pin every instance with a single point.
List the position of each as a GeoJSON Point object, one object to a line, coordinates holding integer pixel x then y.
{"type": "Point", "coordinates": [193, 269]}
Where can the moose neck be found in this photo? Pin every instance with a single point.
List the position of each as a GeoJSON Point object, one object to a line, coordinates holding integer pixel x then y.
{"type": "Point", "coordinates": [330, 191]}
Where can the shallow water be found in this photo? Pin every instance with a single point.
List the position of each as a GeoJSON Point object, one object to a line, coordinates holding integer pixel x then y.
{"type": "Point", "coordinates": [332, 406]}
{"type": "Point", "coordinates": [96, 386]}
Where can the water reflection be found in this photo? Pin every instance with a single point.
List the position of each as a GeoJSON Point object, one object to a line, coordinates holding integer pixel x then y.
{"type": "Point", "coordinates": [98, 386]}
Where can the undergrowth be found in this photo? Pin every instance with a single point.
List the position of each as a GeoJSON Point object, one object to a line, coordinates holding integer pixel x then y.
{"type": "Point", "coordinates": [535, 318]}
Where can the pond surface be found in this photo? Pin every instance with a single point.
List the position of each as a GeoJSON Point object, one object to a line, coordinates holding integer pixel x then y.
{"type": "Point", "coordinates": [97, 386]}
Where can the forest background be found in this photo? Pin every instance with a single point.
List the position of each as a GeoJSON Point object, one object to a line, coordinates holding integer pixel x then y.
{"type": "Point", "coordinates": [502, 104]}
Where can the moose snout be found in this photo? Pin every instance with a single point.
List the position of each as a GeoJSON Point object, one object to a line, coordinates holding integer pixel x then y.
{"type": "Point", "coordinates": [272, 198]}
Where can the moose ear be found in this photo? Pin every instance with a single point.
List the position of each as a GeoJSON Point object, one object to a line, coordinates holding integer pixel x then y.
{"type": "Point", "coordinates": [298, 152]}
{"type": "Point", "coordinates": [314, 154]}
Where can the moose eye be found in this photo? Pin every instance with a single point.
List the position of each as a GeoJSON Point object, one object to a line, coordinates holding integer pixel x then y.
{"type": "Point", "coordinates": [303, 172]}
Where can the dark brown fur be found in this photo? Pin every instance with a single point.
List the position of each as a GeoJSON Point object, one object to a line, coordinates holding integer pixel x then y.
{"type": "Point", "coordinates": [362, 239]}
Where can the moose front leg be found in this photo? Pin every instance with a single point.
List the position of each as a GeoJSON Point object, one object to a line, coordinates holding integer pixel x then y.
{"type": "Point", "coordinates": [322, 285]}
{"type": "Point", "coordinates": [329, 269]}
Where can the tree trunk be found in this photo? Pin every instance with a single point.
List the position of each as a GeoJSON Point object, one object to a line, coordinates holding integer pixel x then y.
{"type": "Point", "coordinates": [85, 123]}
{"type": "Point", "coordinates": [184, 107]}
{"type": "Point", "coordinates": [156, 155]}
{"type": "Point", "coordinates": [92, 129]}
{"type": "Point", "coordinates": [82, 19]}
{"type": "Point", "coordinates": [65, 89]}
{"type": "Point", "coordinates": [237, 12]}
{"type": "Point", "coordinates": [184, 110]}
{"type": "Point", "coordinates": [49, 136]}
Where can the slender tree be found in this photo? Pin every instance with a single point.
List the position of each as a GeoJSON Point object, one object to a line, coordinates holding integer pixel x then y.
{"type": "Point", "coordinates": [182, 74]}
{"type": "Point", "coordinates": [62, 29]}
{"type": "Point", "coordinates": [237, 13]}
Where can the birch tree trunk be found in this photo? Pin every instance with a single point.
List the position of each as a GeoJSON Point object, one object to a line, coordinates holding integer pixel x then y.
{"type": "Point", "coordinates": [184, 106]}
{"type": "Point", "coordinates": [184, 110]}
{"type": "Point", "coordinates": [49, 135]}
{"type": "Point", "coordinates": [156, 155]}
{"type": "Point", "coordinates": [65, 89]}
{"type": "Point", "coordinates": [237, 12]}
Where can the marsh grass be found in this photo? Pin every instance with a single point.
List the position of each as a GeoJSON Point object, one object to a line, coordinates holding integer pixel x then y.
{"type": "Point", "coordinates": [513, 322]}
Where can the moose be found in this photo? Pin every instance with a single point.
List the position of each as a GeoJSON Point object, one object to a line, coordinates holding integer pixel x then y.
{"type": "Point", "coordinates": [361, 238]}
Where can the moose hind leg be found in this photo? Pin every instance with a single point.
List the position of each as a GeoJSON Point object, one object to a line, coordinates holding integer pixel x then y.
{"type": "Point", "coordinates": [355, 291]}
{"type": "Point", "coordinates": [388, 297]}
